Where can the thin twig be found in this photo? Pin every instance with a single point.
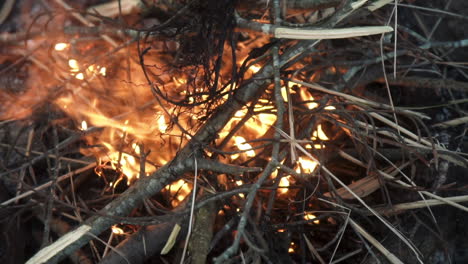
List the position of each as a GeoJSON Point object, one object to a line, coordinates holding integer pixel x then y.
{"type": "Point", "coordinates": [192, 210]}
{"type": "Point", "coordinates": [85, 21]}
{"type": "Point", "coordinates": [47, 184]}
{"type": "Point", "coordinates": [390, 256]}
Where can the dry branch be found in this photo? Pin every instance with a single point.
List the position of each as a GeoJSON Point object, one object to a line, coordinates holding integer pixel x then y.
{"type": "Point", "coordinates": [202, 233]}
{"type": "Point", "coordinates": [429, 83]}
{"type": "Point", "coordinates": [111, 9]}
{"type": "Point", "coordinates": [191, 157]}
{"type": "Point", "coordinates": [402, 207]}
{"type": "Point", "coordinates": [154, 183]}
{"type": "Point", "coordinates": [6, 9]}
{"type": "Point", "coordinates": [390, 256]}
{"type": "Point", "coordinates": [47, 184]}
{"type": "Point", "coordinates": [293, 33]}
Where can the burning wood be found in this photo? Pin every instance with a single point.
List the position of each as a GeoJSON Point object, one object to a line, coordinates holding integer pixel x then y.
{"type": "Point", "coordinates": [205, 112]}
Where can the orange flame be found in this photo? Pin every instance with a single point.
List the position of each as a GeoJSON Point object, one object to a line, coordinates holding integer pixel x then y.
{"type": "Point", "coordinates": [180, 189]}
{"type": "Point", "coordinates": [320, 134]}
{"type": "Point", "coordinates": [306, 96]}
{"type": "Point", "coordinates": [306, 165]}
{"type": "Point", "coordinates": [284, 184]}
{"type": "Point", "coordinates": [243, 145]}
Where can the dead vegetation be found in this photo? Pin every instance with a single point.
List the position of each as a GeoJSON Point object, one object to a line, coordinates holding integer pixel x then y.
{"type": "Point", "coordinates": [231, 132]}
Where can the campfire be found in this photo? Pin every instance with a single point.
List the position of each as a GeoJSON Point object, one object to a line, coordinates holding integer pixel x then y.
{"type": "Point", "coordinates": [213, 131]}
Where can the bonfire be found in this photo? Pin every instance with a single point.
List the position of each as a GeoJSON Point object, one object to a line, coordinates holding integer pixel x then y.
{"type": "Point", "coordinates": [224, 132]}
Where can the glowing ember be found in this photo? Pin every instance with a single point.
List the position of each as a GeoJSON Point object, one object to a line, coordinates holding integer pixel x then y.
{"type": "Point", "coordinates": [283, 185]}
{"type": "Point", "coordinates": [84, 125]}
{"type": "Point", "coordinates": [310, 216]}
{"type": "Point", "coordinates": [60, 46]}
{"type": "Point", "coordinates": [239, 183]}
{"type": "Point", "coordinates": [330, 107]}
{"type": "Point", "coordinates": [240, 113]}
{"type": "Point", "coordinates": [284, 94]}
{"type": "Point", "coordinates": [243, 145]}
{"type": "Point", "coordinates": [102, 71]}
{"type": "Point", "coordinates": [73, 64]}
{"type": "Point", "coordinates": [291, 247]}
{"type": "Point", "coordinates": [179, 82]}
{"type": "Point", "coordinates": [162, 124]}
{"type": "Point", "coordinates": [80, 76]}
{"type": "Point", "coordinates": [255, 68]}
{"type": "Point", "coordinates": [306, 165]}
{"type": "Point", "coordinates": [306, 96]}
{"type": "Point", "coordinates": [319, 133]}
{"type": "Point", "coordinates": [117, 230]}
{"type": "Point", "coordinates": [136, 148]}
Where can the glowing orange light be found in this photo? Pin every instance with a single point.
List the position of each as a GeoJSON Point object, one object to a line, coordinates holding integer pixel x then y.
{"type": "Point", "coordinates": [241, 113]}
{"type": "Point", "coordinates": [319, 133]}
{"type": "Point", "coordinates": [284, 94]}
{"type": "Point", "coordinates": [254, 68]}
{"type": "Point", "coordinates": [181, 188]}
{"type": "Point", "coordinates": [102, 71]}
{"type": "Point", "coordinates": [117, 230]}
{"type": "Point", "coordinates": [283, 185]}
{"type": "Point", "coordinates": [80, 76]}
{"type": "Point", "coordinates": [136, 148]}
{"type": "Point", "coordinates": [291, 248]}
{"type": "Point", "coordinates": [180, 81]}
{"type": "Point", "coordinates": [60, 46]}
{"type": "Point", "coordinates": [330, 107]}
{"type": "Point", "coordinates": [84, 125]}
{"type": "Point", "coordinates": [162, 126]}
{"type": "Point", "coordinates": [243, 145]}
{"type": "Point", "coordinates": [307, 165]}
{"type": "Point", "coordinates": [310, 216]}
{"type": "Point", "coordinates": [74, 67]}
{"type": "Point", "coordinates": [239, 183]}
{"type": "Point", "coordinates": [125, 163]}
{"type": "Point", "coordinates": [306, 96]}
{"type": "Point", "coordinates": [125, 127]}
